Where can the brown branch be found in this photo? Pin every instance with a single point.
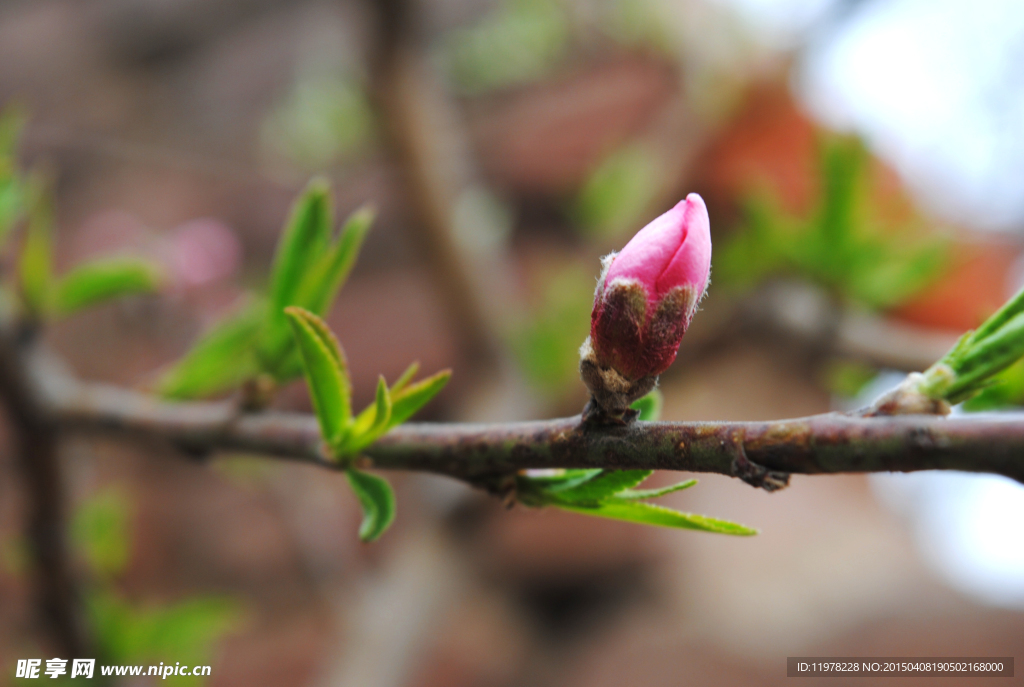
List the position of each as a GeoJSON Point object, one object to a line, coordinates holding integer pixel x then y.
{"type": "Point", "coordinates": [820, 444]}
{"type": "Point", "coordinates": [37, 459]}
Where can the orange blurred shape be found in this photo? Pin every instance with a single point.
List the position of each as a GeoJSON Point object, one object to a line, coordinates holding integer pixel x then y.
{"type": "Point", "coordinates": [769, 142]}
{"type": "Point", "coordinates": [975, 284]}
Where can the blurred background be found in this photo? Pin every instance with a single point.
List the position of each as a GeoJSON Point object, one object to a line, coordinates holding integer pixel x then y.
{"type": "Point", "coordinates": [863, 166]}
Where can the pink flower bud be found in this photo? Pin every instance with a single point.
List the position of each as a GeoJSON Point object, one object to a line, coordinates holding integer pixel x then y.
{"type": "Point", "coordinates": [645, 300]}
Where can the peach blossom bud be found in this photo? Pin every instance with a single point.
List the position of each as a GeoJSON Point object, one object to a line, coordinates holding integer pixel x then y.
{"type": "Point", "coordinates": [644, 302]}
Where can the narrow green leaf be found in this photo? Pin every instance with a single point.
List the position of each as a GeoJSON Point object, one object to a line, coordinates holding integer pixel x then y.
{"type": "Point", "coordinates": [600, 487]}
{"type": "Point", "coordinates": [222, 359]}
{"type": "Point", "coordinates": [383, 407]}
{"type": "Point", "coordinates": [326, 373]}
{"type": "Point", "coordinates": [644, 494]}
{"type": "Point", "coordinates": [405, 378]}
{"type": "Point", "coordinates": [1010, 309]}
{"type": "Point", "coordinates": [562, 479]}
{"type": "Point", "coordinates": [377, 500]}
{"type": "Point", "coordinates": [649, 514]}
{"type": "Point", "coordinates": [100, 280]}
{"type": "Point", "coordinates": [10, 200]}
{"type": "Point", "coordinates": [988, 357]}
{"type": "Point", "coordinates": [413, 397]}
{"type": "Point", "coordinates": [649, 406]}
{"type": "Point", "coordinates": [371, 423]}
{"type": "Point", "coordinates": [305, 237]}
{"type": "Point", "coordinates": [100, 529]}
{"type": "Point", "coordinates": [318, 284]}
{"type": "Point", "coordinates": [35, 264]}
{"type": "Point", "coordinates": [328, 274]}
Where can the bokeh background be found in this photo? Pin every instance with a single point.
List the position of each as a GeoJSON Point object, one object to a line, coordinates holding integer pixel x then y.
{"type": "Point", "coordinates": [863, 165]}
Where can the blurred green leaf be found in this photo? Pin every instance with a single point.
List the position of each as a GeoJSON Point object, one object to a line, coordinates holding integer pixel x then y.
{"type": "Point", "coordinates": [547, 346]}
{"type": "Point", "coordinates": [101, 280]}
{"type": "Point", "coordinates": [616, 195]}
{"type": "Point", "coordinates": [185, 632]}
{"type": "Point", "coordinates": [326, 373]}
{"type": "Point", "coordinates": [12, 122]}
{"type": "Point", "coordinates": [1006, 391]}
{"type": "Point", "coordinates": [325, 118]}
{"type": "Point", "coordinates": [649, 514]}
{"type": "Point", "coordinates": [649, 406]}
{"type": "Point", "coordinates": [377, 500]}
{"type": "Point", "coordinates": [223, 358]}
{"type": "Point", "coordinates": [35, 264]}
{"type": "Point", "coordinates": [99, 529]}
{"type": "Point", "coordinates": [839, 246]}
{"type": "Point", "coordinates": [522, 41]}
{"type": "Point", "coordinates": [407, 401]}
{"type": "Point", "coordinates": [10, 199]}
{"type": "Point", "coordinates": [847, 378]}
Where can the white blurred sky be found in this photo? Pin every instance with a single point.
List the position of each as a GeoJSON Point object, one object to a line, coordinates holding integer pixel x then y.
{"type": "Point", "coordinates": [935, 86]}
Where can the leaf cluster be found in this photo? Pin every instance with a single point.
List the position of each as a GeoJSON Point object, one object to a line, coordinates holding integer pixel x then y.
{"type": "Point", "coordinates": [613, 493]}
{"type": "Point", "coordinates": [127, 631]}
{"type": "Point", "coordinates": [346, 434]}
{"type": "Point", "coordinates": [839, 246]}
{"type": "Point", "coordinates": [26, 200]}
{"type": "Point", "coordinates": [972, 365]}
{"type": "Point", "coordinates": [310, 267]}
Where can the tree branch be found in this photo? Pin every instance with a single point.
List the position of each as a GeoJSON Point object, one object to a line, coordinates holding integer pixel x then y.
{"type": "Point", "coordinates": [37, 459]}
{"type": "Point", "coordinates": [819, 444]}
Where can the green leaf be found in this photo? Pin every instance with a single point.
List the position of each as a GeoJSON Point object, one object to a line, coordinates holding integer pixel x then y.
{"type": "Point", "coordinates": [986, 358]}
{"type": "Point", "coordinates": [649, 406]}
{"type": "Point", "coordinates": [185, 631]}
{"type": "Point", "coordinates": [319, 283]}
{"type": "Point", "coordinates": [616, 195]}
{"type": "Point", "coordinates": [405, 378]}
{"type": "Point", "coordinates": [600, 487]}
{"type": "Point", "coordinates": [302, 243]}
{"type": "Point", "coordinates": [382, 406]}
{"type": "Point", "coordinates": [644, 494]}
{"type": "Point", "coordinates": [35, 265]}
{"type": "Point", "coordinates": [328, 274]}
{"type": "Point", "coordinates": [406, 402]}
{"type": "Point", "coordinates": [999, 318]}
{"type": "Point", "coordinates": [372, 422]}
{"type": "Point", "coordinates": [1008, 390]}
{"type": "Point", "coordinates": [649, 514]}
{"type": "Point", "coordinates": [100, 280]}
{"type": "Point", "coordinates": [100, 531]}
{"type": "Point", "coordinates": [377, 500]}
{"type": "Point", "coordinates": [223, 358]}
{"type": "Point", "coordinates": [562, 479]}
{"type": "Point", "coordinates": [10, 202]}
{"type": "Point", "coordinates": [326, 373]}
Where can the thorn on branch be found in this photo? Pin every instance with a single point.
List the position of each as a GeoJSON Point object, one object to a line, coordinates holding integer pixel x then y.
{"type": "Point", "coordinates": [756, 475]}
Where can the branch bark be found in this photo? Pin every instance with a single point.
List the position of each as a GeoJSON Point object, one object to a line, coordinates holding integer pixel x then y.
{"type": "Point", "coordinates": [480, 453]}
{"type": "Point", "coordinates": [56, 599]}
